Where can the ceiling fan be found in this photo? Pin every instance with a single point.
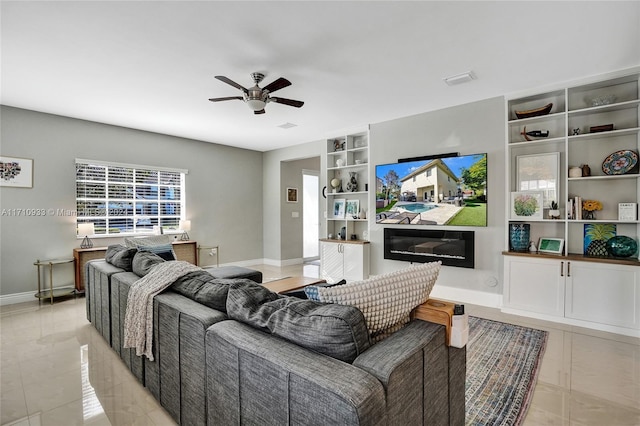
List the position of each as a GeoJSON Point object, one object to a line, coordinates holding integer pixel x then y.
{"type": "Point", "coordinates": [256, 97]}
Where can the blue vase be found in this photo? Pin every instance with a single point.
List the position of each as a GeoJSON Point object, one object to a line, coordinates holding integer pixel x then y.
{"type": "Point", "coordinates": [519, 236]}
{"type": "Point", "coordinates": [621, 246]}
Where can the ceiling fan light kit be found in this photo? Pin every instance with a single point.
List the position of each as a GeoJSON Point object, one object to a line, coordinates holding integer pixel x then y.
{"type": "Point", "coordinates": [257, 98]}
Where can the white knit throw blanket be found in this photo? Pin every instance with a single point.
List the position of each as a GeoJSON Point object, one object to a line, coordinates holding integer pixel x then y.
{"type": "Point", "coordinates": [138, 320]}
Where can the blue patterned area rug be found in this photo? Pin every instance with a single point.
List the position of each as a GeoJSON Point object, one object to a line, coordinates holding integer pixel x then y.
{"type": "Point", "coordinates": [503, 361]}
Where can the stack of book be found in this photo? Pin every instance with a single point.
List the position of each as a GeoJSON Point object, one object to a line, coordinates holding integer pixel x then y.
{"type": "Point", "coordinates": [574, 208]}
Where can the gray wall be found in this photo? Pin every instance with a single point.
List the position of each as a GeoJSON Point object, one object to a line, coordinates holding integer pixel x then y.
{"type": "Point", "coordinates": [291, 228]}
{"type": "Point", "coordinates": [224, 197]}
{"type": "Point", "coordinates": [471, 128]}
{"type": "Point", "coordinates": [276, 238]}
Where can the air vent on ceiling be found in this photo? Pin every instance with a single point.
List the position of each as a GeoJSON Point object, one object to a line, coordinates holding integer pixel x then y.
{"type": "Point", "coordinates": [459, 78]}
{"type": "Point", "coordinates": [287, 125]}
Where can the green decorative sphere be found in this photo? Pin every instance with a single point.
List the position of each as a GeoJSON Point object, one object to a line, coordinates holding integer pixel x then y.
{"type": "Point", "coordinates": [621, 246]}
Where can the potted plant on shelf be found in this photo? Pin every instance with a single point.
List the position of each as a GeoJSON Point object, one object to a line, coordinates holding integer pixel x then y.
{"type": "Point", "coordinates": [554, 212]}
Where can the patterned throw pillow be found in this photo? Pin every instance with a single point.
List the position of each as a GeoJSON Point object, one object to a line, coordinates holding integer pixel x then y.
{"type": "Point", "coordinates": [386, 300]}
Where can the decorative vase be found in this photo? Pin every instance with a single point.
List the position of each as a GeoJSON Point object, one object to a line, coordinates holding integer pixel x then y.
{"type": "Point", "coordinates": [519, 236]}
{"type": "Point", "coordinates": [352, 185]}
{"type": "Point", "coordinates": [621, 246]}
{"type": "Point", "coordinates": [589, 215]}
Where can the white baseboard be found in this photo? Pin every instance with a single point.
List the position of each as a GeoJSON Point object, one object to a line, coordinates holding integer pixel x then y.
{"type": "Point", "coordinates": [280, 263]}
{"type": "Point", "coordinates": [12, 299]}
{"type": "Point", "coordinates": [473, 297]}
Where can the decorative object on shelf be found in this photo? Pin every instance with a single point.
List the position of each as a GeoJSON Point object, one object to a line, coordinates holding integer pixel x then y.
{"type": "Point", "coordinates": [586, 170]}
{"type": "Point", "coordinates": [550, 245]}
{"type": "Point", "coordinates": [576, 131]}
{"type": "Point", "coordinates": [338, 145]}
{"type": "Point", "coordinates": [526, 205]}
{"type": "Point", "coordinates": [535, 112]}
{"type": "Point", "coordinates": [554, 212]}
{"type": "Point", "coordinates": [354, 237]}
{"type": "Point", "coordinates": [601, 128]}
{"type": "Point", "coordinates": [589, 207]}
{"type": "Point", "coordinates": [292, 195]}
{"type": "Point", "coordinates": [352, 185]}
{"type": "Point", "coordinates": [336, 184]}
{"type": "Point", "coordinates": [532, 247]}
{"type": "Point", "coordinates": [343, 233]}
{"type": "Point", "coordinates": [575, 172]}
{"type": "Point", "coordinates": [627, 211]}
{"type": "Point", "coordinates": [340, 162]}
{"type": "Point", "coordinates": [338, 208]}
{"type": "Point", "coordinates": [353, 206]}
{"type": "Point", "coordinates": [86, 229]}
{"type": "Point", "coordinates": [600, 100]}
{"type": "Point", "coordinates": [16, 172]}
{"type": "Point", "coordinates": [534, 133]}
{"type": "Point", "coordinates": [519, 236]}
{"type": "Point", "coordinates": [596, 236]}
{"type": "Point", "coordinates": [184, 226]}
{"type": "Point", "coordinates": [362, 214]}
{"type": "Point", "coordinates": [620, 162]}
{"type": "Point", "coordinates": [622, 246]}
{"type": "Point", "coordinates": [536, 171]}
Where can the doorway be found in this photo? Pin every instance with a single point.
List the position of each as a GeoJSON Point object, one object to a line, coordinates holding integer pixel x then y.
{"type": "Point", "coordinates": [310, 215]}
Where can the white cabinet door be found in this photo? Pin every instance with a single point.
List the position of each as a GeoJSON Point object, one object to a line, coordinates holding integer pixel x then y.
{"type": "Point", "coordinates": [535, 285]}
{"type": "Point", "coordinates": [356, 261]}
{"type": "Point", "coordinates": [331, 261]}
{"type": "Point", "coordinates": [604, 293]}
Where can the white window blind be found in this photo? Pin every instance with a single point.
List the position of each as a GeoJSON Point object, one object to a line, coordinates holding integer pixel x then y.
{"type": "Point", "coordinates": [128, 199]}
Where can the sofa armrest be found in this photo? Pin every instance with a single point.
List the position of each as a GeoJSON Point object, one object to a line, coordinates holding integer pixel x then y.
{"type": "Point", "coordinates": [413, 365]}
{"type": "Point", "coordinates": [254, 377]}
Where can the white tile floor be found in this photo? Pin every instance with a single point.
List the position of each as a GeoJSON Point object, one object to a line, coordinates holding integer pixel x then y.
{"type": "Point", "coordinates": [49, 352]}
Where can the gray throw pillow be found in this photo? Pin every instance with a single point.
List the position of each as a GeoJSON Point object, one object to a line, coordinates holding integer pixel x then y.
{"type": "Point", "coordinates": [202, 287]}
{"type": "Point", "coordinates": [120, 256]}
{"type": "Point", "coordinates": [143, 261]}
{"type": "Point", "coordinates": [338, 331]}
{"type": "Point", "coordinates": [164, 251]}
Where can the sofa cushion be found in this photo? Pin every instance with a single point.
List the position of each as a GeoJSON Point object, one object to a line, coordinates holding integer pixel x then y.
{"type": "Point", "coordinates": [148, 241]}
{"type": "Point", "coordinates": [165, 251]}
{"type": "Point", "coordinates": [120, 256]}
{"type": "Point", "coordinates": [232, 271]}
{"type": "Point", "coordinates": [386, 300]}
{"type": "Point", "coordinates": [206, 289]}
{"type": "Point", "coordinates": [335, 330]}
{"type": "Point", "coordinates": [143, 261]}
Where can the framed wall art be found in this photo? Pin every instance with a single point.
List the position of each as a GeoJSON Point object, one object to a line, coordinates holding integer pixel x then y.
{"type": "Point", "coordinates": [352, 209]}
{"type": "Point", "coordinates": [526, 205]}
{"type": "Point", "coordinates": [539, 172]}
{"type": "Point", "coordinates": [292, 195]}
{"type": "Point", "coordinates": [16, 172]}
{"type": "Point", "coordinates": [550, 245]}
{"type": "Point", "coordinates": [339, 208]}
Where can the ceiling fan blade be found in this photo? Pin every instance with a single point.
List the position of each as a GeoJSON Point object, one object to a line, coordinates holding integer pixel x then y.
{"type": "Point", "coordinates": [290, 102]}
{"type": "Point", "coordinates": [262, 111]}
{"type": "Point", "coordinates": [231, 82]}
{"type": "Point", "coordinates": [277, 85]}
{"type": "Point", "coordinates": [228, 98]}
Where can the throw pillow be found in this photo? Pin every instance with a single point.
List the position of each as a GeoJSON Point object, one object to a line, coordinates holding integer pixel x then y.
{"type": "Point", "coordinates": [386, 300]}
{"type": "Point", "coordinates": [153, 240]}
{"type": "Point", "coordinates": [120, 256]}
{"type": "Point", "coordinates": [164, 251]}
{"type": "Point", "coordinates": [143, 261]}
{"type": "Point", "coordinates": [330, 329]}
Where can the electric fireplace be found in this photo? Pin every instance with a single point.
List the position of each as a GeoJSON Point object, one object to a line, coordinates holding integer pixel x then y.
{"type": "Point", "coordinates": [453, 248]}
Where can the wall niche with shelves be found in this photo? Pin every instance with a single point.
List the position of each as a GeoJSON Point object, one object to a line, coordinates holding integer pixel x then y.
{"type": "Point", "coordinates": [588, 124]}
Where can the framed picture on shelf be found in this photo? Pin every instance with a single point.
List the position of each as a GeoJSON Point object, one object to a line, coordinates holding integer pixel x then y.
{"type": "Point", "coordinates": [16, 172]}
{"type": "Point", "coordinates": [550, 245]}
{"type": "Point", "coordinates": [539, 172]}
{"type": "Point", "coordinates": [353, 207]}
{"type": "Point", "coordinates": [292, 195]}
{"type": "Point", "coordinates": [596, 236]}
{"type": "Point", "coordinates": [526, 205]}
{"type": "Point", "coordinates": [339, 208]}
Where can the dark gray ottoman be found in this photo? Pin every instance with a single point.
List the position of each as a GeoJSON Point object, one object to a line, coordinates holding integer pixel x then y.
{"type": "Point", "coordinates": [235, 272]}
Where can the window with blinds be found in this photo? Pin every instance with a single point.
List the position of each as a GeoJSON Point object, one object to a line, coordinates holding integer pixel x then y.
{"type": "Point", "coordinates": [128, 199]}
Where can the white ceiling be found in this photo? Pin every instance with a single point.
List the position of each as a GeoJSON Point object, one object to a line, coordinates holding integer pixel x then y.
{"type": "Point", "coordinates": [150, 65]}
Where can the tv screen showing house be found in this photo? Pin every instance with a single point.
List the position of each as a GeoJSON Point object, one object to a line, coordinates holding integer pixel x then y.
{"type": "Point", "coordinates": [439, 191]}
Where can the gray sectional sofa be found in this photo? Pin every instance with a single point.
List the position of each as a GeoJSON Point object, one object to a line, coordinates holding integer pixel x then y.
{"type": "Point", "coordinates": [230, 352]}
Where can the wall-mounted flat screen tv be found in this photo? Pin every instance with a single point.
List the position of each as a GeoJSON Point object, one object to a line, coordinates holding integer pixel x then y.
{"type": "Point", "coordinates": [435, 191]}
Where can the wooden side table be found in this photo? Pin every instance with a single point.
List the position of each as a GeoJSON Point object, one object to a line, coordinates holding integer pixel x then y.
{"type": "Point", "coordinates": [436, 311]}
{"type": "Point", "coordinates": [53, 292]}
